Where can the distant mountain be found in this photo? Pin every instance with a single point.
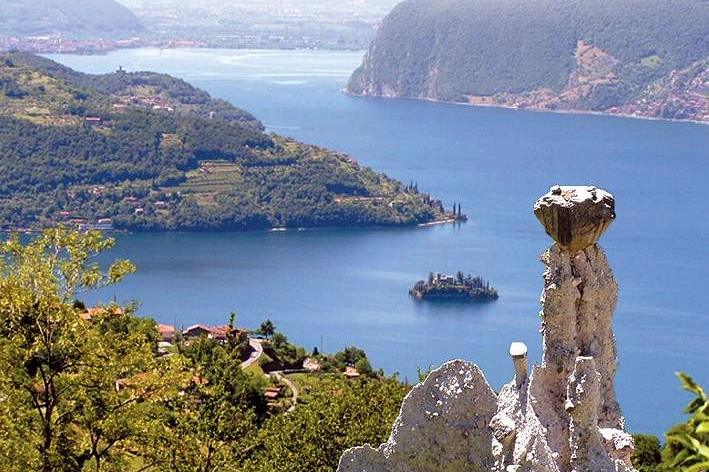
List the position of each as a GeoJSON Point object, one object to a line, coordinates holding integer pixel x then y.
{"type": "Point", "coordinates": [643, 57]}
{"type": "Point", "coordinates": [79, 19]}
{"type": "Point", "coordinates": [278, 24]}
{"type": "Point", "coordinates": [148, 152]}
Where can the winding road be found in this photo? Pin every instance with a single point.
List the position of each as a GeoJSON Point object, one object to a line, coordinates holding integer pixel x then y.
{"type": "Point", "coordinates": [254, 357]}
{"type": "Point", "coordinates": [255, 354]}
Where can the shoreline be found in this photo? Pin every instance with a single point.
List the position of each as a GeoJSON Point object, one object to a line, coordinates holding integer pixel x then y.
{"type": "Point", "coordinates": [437, 222]}
{"type": "Point", "coordinates": [531, 109]}
{"type": "Point", "coordinates": [278, 229]}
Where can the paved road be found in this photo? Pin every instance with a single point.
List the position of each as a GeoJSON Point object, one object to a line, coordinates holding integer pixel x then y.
{"type": "Point", "coordinates": [255, 354]}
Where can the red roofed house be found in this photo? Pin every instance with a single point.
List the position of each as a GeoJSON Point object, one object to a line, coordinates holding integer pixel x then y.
{"type": "Point", "coordinates": [167, 332]}
{"type": "Point", "coordinates": [196, 331]}
{"type": "Point", "coordinates": [218, 333]}
{"type": "Point", "coordinates": [100, 310]}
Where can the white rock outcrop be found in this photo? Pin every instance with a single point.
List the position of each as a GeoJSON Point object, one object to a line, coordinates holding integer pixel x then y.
{"type": "Point", "coordinates": [444, 425]}
{"type": "Point", "coordinates": [564, 417]}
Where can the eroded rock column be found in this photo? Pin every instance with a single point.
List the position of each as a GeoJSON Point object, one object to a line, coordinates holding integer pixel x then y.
{"type": "Point", "coordinates": [572, 393]}
{"type": "Point", "coordinates": [564, 416]}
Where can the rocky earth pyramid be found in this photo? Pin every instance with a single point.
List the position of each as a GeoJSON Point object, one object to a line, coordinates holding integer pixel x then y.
{"type": "Point", "coordinates": [562, 417]}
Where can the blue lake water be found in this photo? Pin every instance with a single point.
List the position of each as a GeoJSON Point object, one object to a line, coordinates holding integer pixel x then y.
{"type": "Point", "coordinates": [347, 287]}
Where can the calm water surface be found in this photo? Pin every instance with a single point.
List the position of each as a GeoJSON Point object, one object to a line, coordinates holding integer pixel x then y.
{"type": "Point", "coordinates": [335, 288]}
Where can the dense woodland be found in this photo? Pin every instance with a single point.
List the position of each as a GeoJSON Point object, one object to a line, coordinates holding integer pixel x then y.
{"type": "Point", "coordinates": [452, 48]}
{"type": "Point", "coordinates": [150, 152]}
{"type": "Point", "coordinates": [97, 393]}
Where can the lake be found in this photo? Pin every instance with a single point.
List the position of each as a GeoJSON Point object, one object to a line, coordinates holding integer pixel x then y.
{"type": "Point", "coordinates": [333, 288]}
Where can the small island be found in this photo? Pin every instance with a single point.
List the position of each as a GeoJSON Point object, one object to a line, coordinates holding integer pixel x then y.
{"type": "Point", "coordinates": [458, 287]}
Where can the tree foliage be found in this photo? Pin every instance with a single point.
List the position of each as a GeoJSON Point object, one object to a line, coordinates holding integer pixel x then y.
{"type": "Point", "coordinates": [332, 415]}
{"type": "Point", "coordinates": [59, 371]}
{"type": "Point", "coordinates": [207, 427]}
{"type": "Point", "coordinates": [89, 391]}
{"type": "Point", "coordinates": [687, 445]}
{"type": "Point", "coordinates": [267, 328]}
{"type": "Point", "coordinates": [690, 446]}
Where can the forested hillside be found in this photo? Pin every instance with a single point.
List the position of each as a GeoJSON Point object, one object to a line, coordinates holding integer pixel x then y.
{"type": "Point", "coordinates": [570, 54]}
{"type": "Point", "coordinates": [145, 151]}
{"type": "Point", "coordinates": [101, 18]}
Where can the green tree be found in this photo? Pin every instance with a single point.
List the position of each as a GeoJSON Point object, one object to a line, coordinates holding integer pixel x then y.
{"type": "Point", "coordinates": [349, 356]}
{"type": "Point", "coordinates": [335, 413]}
{"type": "Point", "coordinates": [363, 366]}
{"type": "Point", "coordinates": [122, 388]}
{"type": "Point", "coordinates": [282, 353]}
{"type": "Point", "coordinates": [460, 278]}
{"type": "Point", "coordinates": [44, 345]}
{"type": "Point", "coordinates": [267, 328]}
{"type": "Point", "coordinates": [688, 445]}
{"type": "Point", "coordinates": [647, 454]}
{"type": "Point", "coordinates": [208, 426]}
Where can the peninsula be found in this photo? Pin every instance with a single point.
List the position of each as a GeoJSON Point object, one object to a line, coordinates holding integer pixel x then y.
{"type": "Point", "coordinates": [458, 287]}
{"type": "Point", "coordinates": [142, 151]}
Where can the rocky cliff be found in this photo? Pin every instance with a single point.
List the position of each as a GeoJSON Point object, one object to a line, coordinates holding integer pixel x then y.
{"type": "Point", "coordinates": [564, 415]}
{"type": "Point", "coordinates": [634, 57]}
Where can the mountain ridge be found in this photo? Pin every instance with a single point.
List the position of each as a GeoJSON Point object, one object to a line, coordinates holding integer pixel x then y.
{"type": "Point", "coordinates": [102, 18]}
{"type": "Point", "coordinates": [573, 56]}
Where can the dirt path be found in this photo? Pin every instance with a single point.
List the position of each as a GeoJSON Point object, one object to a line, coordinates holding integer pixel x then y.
{"type": "Point", "coordinates": [281, 378]}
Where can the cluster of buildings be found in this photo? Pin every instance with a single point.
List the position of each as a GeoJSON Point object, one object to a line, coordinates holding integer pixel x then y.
{"type": "Point", "coordinates": [152, 102]}
{"type": "Point", "coordinates": [59, 43]}
{"type": "Point", "coordinates": [168, 333]}
{"type": "Point", "coordinates": [681, 97]}
{"type": "Point", "coordinates": [84, 224]}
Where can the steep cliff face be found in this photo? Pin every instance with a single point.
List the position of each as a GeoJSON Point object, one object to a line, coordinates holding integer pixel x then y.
{"type": "Point", "coordinates": [564, 416]}
{"type": "Point", "coordinates": [545, 54]}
